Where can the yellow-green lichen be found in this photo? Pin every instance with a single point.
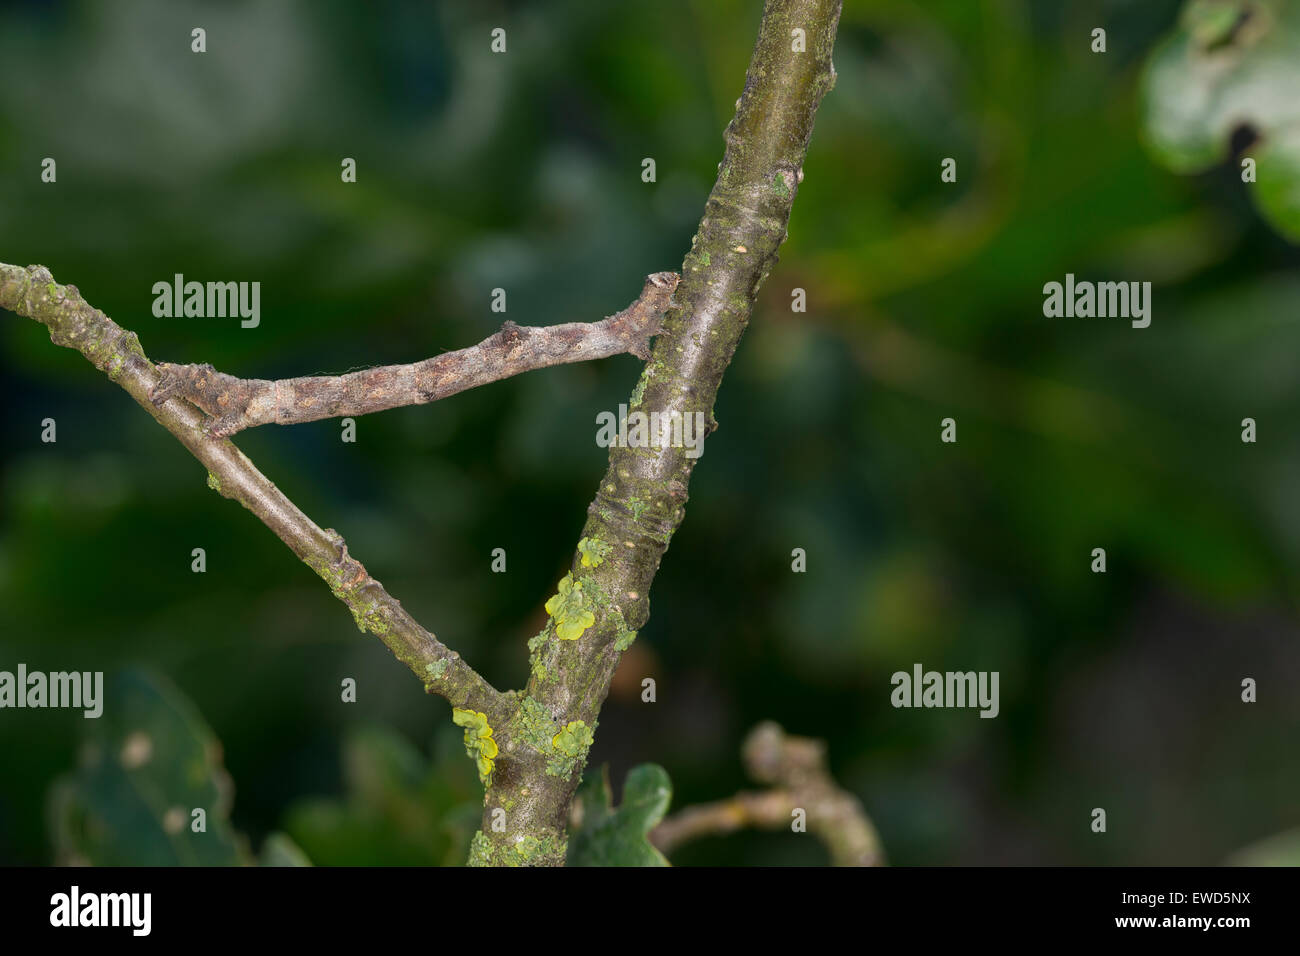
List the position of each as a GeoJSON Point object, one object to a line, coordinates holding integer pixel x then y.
{"type": "Point", "coordinates": [625, 639]}
{"type": "Point", "coordinates": [215, 483]}
{"type": "Point", "coordinates": [593, 551]}
{"type": "Point", "coordinates": [534, 725]}
{"type": "Point", "coordinates": [116, 362]}
{"type": "Point", "coordinates": [538, 640]}
{"type": "Point", "coordinates": [526, 847]}
{"type": "Point", "coordinates": [573, 739]}
{"type": "Point", "coordinates": [479, 744]}
{"type": "Point", "coordinates": [522, 850]}
{"type": "Point", "coordinates": [528, 850]}
{"type": "Point", "coordinates": [571, 745]}
{"type": "Point", "coordinates": [569, 609]}
{"type": "Point", "coordinates": [367, 617]}
{"type": "Point", "coordinates": [435, 669]}
{"type": "Point", "coordinates": [591, 591]}
{"type": "Point", "coordinates": [480, 850]}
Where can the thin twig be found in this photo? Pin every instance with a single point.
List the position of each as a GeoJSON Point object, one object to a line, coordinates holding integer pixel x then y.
{"type": "Point", "coordinates": [74, 323]}
{"type": "Point", "coordinates": [796, 767]}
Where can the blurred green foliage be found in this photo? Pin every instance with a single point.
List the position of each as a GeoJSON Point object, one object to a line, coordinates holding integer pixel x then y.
{"type": "Point", "coordinates": [522, 171]}
{"type": "Point", "coordinates": [617, 836]}
{"type": "Point", "coordinates": [400, 807]}
{"type": "Point", "coordinates": [1233, 65]}
{"type": "Point", "coordinates": [145, 766]}
{"type": "Point", "coordinates": [1280, 850]}
{"type": "Point", "coordinates": [279, 850]}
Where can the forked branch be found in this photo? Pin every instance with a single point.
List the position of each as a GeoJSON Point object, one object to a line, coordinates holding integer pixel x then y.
{"type": "Point", "coordinates": [538, 736]}
{"type": "Point", "coordinates": [76, 324]}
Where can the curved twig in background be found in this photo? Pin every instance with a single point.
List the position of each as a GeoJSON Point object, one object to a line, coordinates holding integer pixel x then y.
{"type": "Point", "coordinates": [795, 768]}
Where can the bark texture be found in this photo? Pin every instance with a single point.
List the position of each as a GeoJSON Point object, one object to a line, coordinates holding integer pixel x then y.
{"type": "Point", "coordinates": [642, 498]}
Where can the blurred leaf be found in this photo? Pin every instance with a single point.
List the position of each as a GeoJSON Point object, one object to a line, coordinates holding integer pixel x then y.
{"type": "Point", "coordinates": [1231, 63]}
{"type": "Point", "coordinates": [146, 764]}
{"type": "Point", "coordinates": [399, 809]}
{"type": "Point", "coordinates": [617, 837]}
{"type": "Point", "coordinates": [1282, 849]}
{"type": "Point", "coordinates": [279, 850]}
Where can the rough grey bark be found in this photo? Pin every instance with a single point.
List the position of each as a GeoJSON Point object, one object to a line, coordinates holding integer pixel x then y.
{"type": "Point", "coordinates": [641, 500]}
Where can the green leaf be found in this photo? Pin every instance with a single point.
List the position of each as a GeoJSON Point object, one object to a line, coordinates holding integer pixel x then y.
{"type": "Point", "coordinates": [398, 809]}
{"type": "Point", "coordinates": [1231, 63]}
{"type": "Point", "coordinates": [617, 837]}
{"type": "Point", "coordinates": [145, 765]}
{"type": "Point", "coordinates": [279, 850]}
{"type": "Point", "coordinates": [1282, 849]}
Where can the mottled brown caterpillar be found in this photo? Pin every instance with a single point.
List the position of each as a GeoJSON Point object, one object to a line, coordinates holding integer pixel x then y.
{"type": "Point", "coordinates": [234, 404]}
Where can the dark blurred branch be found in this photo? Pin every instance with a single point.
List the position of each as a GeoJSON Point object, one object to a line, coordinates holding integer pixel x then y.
{"type": "Point", "coordinates": [640, 502]}
{"type": "Point", "coordinates": [74, 323]}
{"type": "Point", "coordinates": [239, 403]}
{"type": "Point", "coordinates": [796, 769]}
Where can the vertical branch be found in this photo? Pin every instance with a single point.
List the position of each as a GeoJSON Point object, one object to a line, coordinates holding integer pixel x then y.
{"type": "Point", "coordinates": [641, 500]}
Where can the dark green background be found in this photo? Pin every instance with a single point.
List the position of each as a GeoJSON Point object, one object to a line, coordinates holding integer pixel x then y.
{"type": "Point", "coordinates": [924, 301]}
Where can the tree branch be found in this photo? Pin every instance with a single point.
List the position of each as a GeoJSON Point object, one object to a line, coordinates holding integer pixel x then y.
{"type": "Point", "coordinates": [796, 766]}
{"type": "Point", "coordinates": [74, 323]}
{"type": "Point", "coordinates": [641, 500]}
{"type": "Point", "coordinates": [530, 745]}
{"type": "Point", "coordinates": [239, 403]}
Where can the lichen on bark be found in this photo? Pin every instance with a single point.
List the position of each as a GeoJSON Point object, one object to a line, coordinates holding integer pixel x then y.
{"type": "Point", "coordinates": [641, 500]}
